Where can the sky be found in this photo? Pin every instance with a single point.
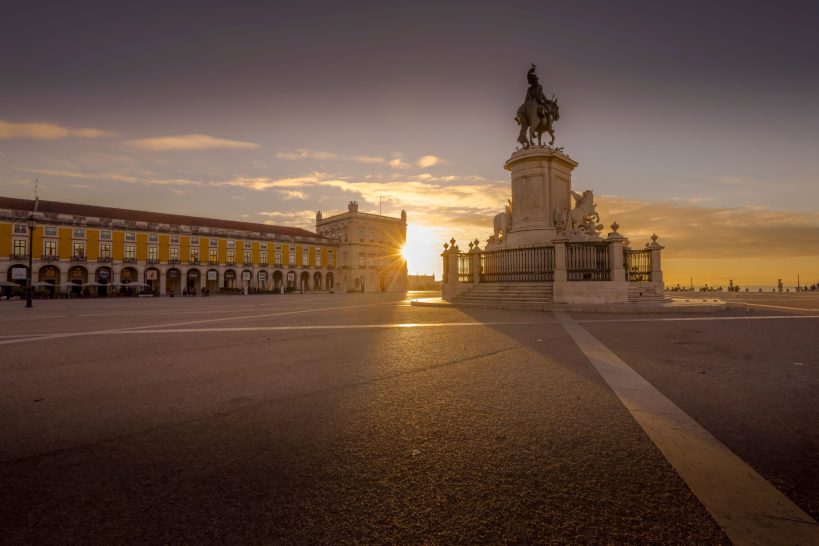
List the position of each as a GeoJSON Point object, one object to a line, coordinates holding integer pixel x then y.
{"type": "Point", "coordinates": [697, 121]}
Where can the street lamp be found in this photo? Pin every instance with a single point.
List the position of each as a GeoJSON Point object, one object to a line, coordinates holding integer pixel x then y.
{"type": "Point", "coordinates": [31, 223]}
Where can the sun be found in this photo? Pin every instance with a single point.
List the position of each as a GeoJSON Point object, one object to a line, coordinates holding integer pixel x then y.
{"type": "Point", "coordinates": [422, 249]}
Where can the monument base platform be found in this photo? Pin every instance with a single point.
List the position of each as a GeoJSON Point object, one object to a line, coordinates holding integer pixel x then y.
{"type": "Point", "coordinates": [687, 305]}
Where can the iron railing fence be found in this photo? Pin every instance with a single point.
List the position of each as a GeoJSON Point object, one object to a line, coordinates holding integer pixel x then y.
{"type": "Point", "coordinates": [465, 273]}
{"type": "Point", "coordinates": [535, 264]}
{"type": "Point", "coordinates": [638, 264]}
{"type": "Point", "coordinates": [588, 261]}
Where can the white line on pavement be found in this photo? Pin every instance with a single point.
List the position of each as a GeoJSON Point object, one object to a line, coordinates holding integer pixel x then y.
{"type": "Point", "coordinates": [682, 319]}
{"type": "Point", "coordinates": [318, 327]}
{"type": "Point", "coordinates": [748, 508]}
{"type": "Point", "coordinates": [776, 306]}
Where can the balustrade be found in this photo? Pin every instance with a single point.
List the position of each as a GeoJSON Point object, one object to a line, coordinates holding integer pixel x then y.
{"type": "Point", "coordinates": [588, 261]}
{"type": "Point", "coordinates": [518, 265]}
{"type": "Point", "coordinates": [638, 264]}
{"type": "Point", "coordinates": [465, 268]}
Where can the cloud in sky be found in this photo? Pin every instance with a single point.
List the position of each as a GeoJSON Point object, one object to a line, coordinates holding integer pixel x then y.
{"type": "Point", "coordinates": [118, 177]}
{"type": "Point", "coordinates": [288, 195]}
{"type": "Point", "coordinates": [690, 231]}
{"type": "Point", "coordinates": [176, 143]}
{"type": "Point", "coordinates": [46, 131]}
{"type": "Point", "coordinates": [396, 162]}
{"type": "Point", "coordinates": [427, 161]}
{"type": "Point", "coordinates": [298, 218]}
{"type": "Point", "coordinates": [423, 191]}
{"type": "Point", "coordinates": [304, 153]}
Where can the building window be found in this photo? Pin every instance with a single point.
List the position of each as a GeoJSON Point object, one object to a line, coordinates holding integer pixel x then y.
{"type": "Point", "coordinates": [372, 236]}
{"type": "Point", "coordinates": [213, 242]}
{"type": "Point", "coordinates": [130, 236]}
{"type": "Point", "coordinates": [130, 252]}
{"type": "Point", "coordinates": [248, 257]}
{"type": "Point", "coordinates": [175, 239]}
{"type": "Point", "coordinates": [105, 251]}
{"type": "Point", "coordinates": [195, 255]}
{"type": "Point", "coordinates": [20, 248]}
{"type": "Point", "coordinates": [305, 255]}
{"type": "Point", "coordinates": [51, 231]}
{"type": "Point", "coordinates": [153, 253]}
{"type": "Point", "coordinates": [50, 248]}
{"type": "Point", "coordinates": [79, 249]}
{"type": "Point", "coordinates": [174, 253]}
{"type": "Point", "coordinates": [195, 241]}
{"type": "Point", "coordinates": [262, 246]}
{"type": "Point", "coordinates": [105, 234]}
{"type": "Point", "coordinates": [361, 235]}
{"type": "Point", "coordinates": [292, 257]}
{"type": "Point", "coordinates": [318, 257]}
{"type": "Point", "coordinates": [231, 244]}
{"type": "Point", "coordinates": [213, 255]}
{"type": "Point", "coordinates": [277, 259]}
{"type": "Point", "coordinates": [152, 238]}
{"type": "Point", "coordinates": [371, 260]}
{"type": "Point", "coordinates": [231, 256]}
{"type": "Point", "coordinates": [263, 257]}
{"type": "Point", "coordinates": [278, 246]}
{"type": "Point", "coordinates": [20, 229]}
{"type": "Point", "coordinates": [362, 260]}
{"type": "Point", "coordinates": [79, 232]}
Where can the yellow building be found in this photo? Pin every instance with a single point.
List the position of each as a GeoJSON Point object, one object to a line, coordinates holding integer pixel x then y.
{"type": "Point", "coordinates": [101, 249]}
{"type": "Point", "coordinates": [370, 249]}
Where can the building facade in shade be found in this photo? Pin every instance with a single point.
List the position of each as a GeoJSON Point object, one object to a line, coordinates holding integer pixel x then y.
{"type": "Point", "coordinates": [370, 248]}
{"type": "Point", "coordinates": [77, 247]}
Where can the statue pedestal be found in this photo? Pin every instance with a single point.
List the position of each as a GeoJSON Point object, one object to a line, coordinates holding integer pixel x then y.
{"type": "Point", "coordinates": [541, 183]}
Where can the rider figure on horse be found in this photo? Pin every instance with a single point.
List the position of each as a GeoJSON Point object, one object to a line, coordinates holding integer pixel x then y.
{"type": "Point", "coordinates": [535, 92]}
{"type": "Point", "coordinates": [537, 113]}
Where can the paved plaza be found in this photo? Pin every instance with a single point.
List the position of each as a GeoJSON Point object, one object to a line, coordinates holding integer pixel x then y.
{"type": "Point", "coordinates": [358, 418]}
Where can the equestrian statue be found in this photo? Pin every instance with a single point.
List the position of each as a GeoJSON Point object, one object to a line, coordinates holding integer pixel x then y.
{"type": "Point", "coordinates": [537, 114]}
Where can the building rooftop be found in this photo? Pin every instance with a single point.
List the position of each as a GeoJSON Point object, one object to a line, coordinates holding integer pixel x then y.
{"type": "Point", "coordinates": [128, 215]}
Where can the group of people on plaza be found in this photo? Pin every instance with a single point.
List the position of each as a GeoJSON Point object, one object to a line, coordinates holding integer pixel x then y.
{"type": "Point", "coordinates": [191, 292]}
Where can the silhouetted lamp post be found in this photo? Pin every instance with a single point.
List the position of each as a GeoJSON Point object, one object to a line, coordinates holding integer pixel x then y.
{"type": "Point", "coordinates": [32, 223]}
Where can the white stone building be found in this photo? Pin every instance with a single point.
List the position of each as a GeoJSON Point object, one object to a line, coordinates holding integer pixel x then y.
{"type": "Point", "coordinates": [369, 249]}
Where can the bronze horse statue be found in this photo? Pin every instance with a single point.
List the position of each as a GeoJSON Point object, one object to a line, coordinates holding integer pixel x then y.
{"type": "Point", "coordinates": [536, 119]}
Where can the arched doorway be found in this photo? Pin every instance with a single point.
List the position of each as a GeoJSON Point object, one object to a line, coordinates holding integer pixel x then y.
{"type": "Point", "coordinates": [127, 276]}
{"type": "Point", "coordinates": [230, 279]}
{"type": "Point", "coordinates": [291, 281]}
{"type": "Point", "coordinates": [152, 279]}
{"type": "Point", "coordinates": [247, 279]}
{"type": "Point", "coordinates": [212, 280]}
{"type": "Point", "coordinates": [278, 279]}
{"type": "Point", "coordinates": [49, 278]}
{"type": "Point", "coordinates": [329, 281]}
{"type": "Point", "coordinates": [261, 281]}
{"type": "Point", "coordinates": [77, 276]}
{"type": "Point", "coordinates": [317, 281]}
{"type": "Point", "coordinates": [193, 282]}
{"type": "Point", "coordinates": [103, 276]}
{"type": "Point", "coordinates": [173, 281]}
{"type": "Point", "coordinates": [17, 274]}
{"type": "Point", "coordinates": [304, 281]}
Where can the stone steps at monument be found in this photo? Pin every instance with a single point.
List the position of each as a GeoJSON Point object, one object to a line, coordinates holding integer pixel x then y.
{"type": "Point", "coordinates": [640, 293]}
{"type": "Point", "coordinates": [535, 294]}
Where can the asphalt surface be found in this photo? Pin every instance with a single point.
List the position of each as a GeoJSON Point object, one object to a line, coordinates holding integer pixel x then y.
{"type": "Point", "coordinates": [361, 419]}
